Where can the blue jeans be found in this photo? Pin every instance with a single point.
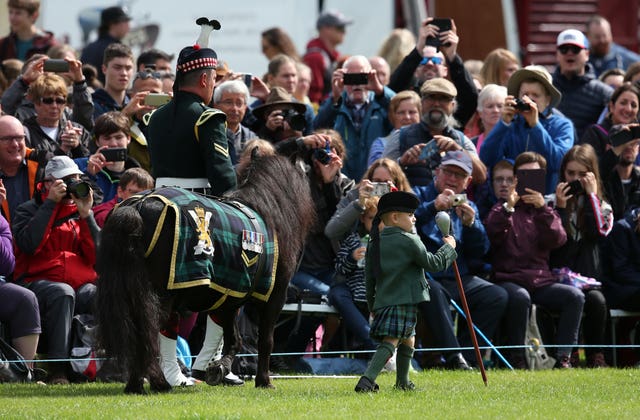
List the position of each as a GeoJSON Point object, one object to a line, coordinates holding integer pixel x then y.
{"type": "Point", "coordinates": [340, 297]}
{"type": "Point", "coordinates": [317, 281]}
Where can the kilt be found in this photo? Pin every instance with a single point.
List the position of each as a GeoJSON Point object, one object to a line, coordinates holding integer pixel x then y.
{"type": "Point", "coordinates": [398, 321]}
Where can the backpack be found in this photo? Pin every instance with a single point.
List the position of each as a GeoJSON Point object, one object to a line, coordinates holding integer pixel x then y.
{"type": "Point", "coordinates": [13, 368]}
{"type": "Point", "coordinates": [83, 353]}
{"type": "Point", "coordinates": [536, 355]}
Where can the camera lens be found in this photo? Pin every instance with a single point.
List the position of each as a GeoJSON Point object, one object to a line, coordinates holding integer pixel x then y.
{"type": "Point", "coordinates": [80, 189]}
{"type": "Point", "coordinates": [322, 156]}
{"type": "Point", "coordinates": [296, 121]}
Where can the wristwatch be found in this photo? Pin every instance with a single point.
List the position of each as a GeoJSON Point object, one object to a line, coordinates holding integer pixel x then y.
{"type": "Point", "coordinates": [508, 208]}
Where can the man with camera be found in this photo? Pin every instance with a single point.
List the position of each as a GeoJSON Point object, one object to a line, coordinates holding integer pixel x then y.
{"type": "Point", "coordinates": [417, 147]}
{"type": "Point", "coordinates": [436, 55]}
{"type": "Point", "coordinates": [446, 193]}
{"type": "Point", "coordinates": [530, 122]}
{"type": "Point", "coordinates": [357, 109]}
{"type": "Point", "coordinates": [282, 116]}
{"type": "Point", "coordinates": [55, 236]}
{"type": "Point", "coordinates": [105, 167]}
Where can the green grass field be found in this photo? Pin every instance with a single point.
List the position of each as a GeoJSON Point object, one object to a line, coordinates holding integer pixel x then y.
{"type": "Point", "coordinates": [575, 394]}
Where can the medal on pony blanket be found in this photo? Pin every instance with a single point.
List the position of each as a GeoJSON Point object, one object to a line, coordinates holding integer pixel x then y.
{"type": "Point", "coordinates": [252, 241]}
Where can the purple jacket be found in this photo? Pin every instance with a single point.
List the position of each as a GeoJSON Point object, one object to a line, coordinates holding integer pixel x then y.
{"type": "Point", "coordinates": [7, 258]}
{"type": "Point", "coordinates": [521, 243]}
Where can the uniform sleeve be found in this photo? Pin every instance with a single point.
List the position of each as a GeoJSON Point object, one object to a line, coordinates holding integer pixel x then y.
{"type": "Point", "coordinates": [211, 133]}
{"type": "Point", "coordinates": [434, 263]}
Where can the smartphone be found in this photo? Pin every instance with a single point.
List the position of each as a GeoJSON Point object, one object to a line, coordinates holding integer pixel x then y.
{"type": "Point", "coordinates": [246, 78]}
{"type": "Point", "coordinates": [623, 136]}
{"type": "Point", "coordinates": [56, 66]}
{"type": "Point", "coordinates": [380, 188]}
{"type": "Point", "coordinates": [115, 154]}
{"type": "Point", "coordinates": [156, 99]}
{"type": "Point", "coordinates": [355, 78]}
{"type": "Point", "coordinates": [534, 179]}
{"type": "Point", "coordinates": [430, 149]}
{"type": "Point", "coordinates": [575, 188]}
{"type": "Point", "coordinates": [443, 24]}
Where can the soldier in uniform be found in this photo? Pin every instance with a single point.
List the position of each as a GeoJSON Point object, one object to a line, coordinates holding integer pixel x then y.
{"type": "Point", "coordinates": [187, 139]}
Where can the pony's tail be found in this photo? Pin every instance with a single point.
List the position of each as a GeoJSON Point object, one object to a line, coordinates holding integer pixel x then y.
{"type": "Point", "coordinates": [127, 305]}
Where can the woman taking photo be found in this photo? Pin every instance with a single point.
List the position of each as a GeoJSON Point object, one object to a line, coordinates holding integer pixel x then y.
{"type": "Point", "coordinates": [623, 109]}
{"type": "Point", "coordinates": [587, 219]}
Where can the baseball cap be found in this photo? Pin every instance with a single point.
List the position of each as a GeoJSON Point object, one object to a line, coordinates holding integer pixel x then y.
{"type": "Point", "coordinates": [334, 19]}
{"type": "Point", "coordinates": [572, 37]}
{"type": "Point", "coordinates": [61, 167]}
{"type": "Point", "coordinates": [438, 85]}
{"type": "Point", "coordinates": [458, 158]}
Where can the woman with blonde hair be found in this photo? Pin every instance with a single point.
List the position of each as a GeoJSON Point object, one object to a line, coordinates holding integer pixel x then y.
{"type": "Point", "coordinates": [396, 46]}
{"type": "Point", "coordinates": [405, 108]}
{"type": "Point", "coordinates": [498, 66]}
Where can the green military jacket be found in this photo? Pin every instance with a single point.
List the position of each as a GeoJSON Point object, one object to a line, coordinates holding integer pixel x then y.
{"type": "Point", "coordinates": [187, 139]}
{"type": "Point", "coordinates": [403, 260]}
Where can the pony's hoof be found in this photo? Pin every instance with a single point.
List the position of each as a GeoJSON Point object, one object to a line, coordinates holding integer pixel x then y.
{"type": "Point", "coordinates": [266, 386]}
{"type": "Point", "coordinates": [215, 374]}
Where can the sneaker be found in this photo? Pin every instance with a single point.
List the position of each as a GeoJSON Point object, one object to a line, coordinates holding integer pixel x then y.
{"type": "Point", "coordinates": [563, 362]}
{"type": "Point", "coordinates": [410, 386]}
{"type": "Point", "coordinates": [596, 360]}
{"type": "Point", "coordinates": [457, 362]}
{"type": "Point", "coordinates": [231, 379]}
{"type": "Point", "coordinates": [365, 385]}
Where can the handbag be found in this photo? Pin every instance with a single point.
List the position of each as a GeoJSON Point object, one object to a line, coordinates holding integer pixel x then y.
{"type": "Point", "coordinates": [536, 355]}
{"type": "Point", "coordinates": [13, 368]}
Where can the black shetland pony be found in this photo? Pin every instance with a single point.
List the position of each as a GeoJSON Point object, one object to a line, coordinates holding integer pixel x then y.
{"type": "Point", "coordinates": [134, 301]}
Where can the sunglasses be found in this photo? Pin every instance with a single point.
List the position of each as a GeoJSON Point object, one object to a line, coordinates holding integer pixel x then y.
{"type": "Point", "coordinates": [49, 101]}
{"type": "Point", "coordinates": [144, 75]}
{"type": "Point", "coordinates": [566, 48]}
{"type": "Point", "coordinates": [435, 60]}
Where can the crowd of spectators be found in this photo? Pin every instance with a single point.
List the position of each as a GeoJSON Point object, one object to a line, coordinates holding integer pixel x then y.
{"type": "Point", "coordinates": [418, 121]}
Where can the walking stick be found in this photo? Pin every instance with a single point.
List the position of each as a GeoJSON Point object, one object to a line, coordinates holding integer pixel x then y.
{"type": "Point", "coordinates": [443, 221]}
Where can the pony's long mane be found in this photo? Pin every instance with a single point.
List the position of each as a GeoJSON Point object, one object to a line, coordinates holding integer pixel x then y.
{"type": "Point", "coordinates": [279, 192]}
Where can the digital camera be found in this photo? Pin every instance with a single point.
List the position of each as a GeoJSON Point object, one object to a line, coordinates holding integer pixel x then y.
{"type": "Point", "coordinates": [77, 187]}
{"type": "Point", "coordinates": [323, 155]}
{"type": "Point", "coordinates": [380, 188]}
{"type": "Point", "coordinates": [296, 121]}
{"type": "Point", "coordinates": [458, 199]}
{"type": "Point", "coordinates": [521, 105]}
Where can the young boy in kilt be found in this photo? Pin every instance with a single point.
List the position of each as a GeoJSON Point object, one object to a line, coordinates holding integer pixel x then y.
{"type": "Point", "coordinates": [395, 263]}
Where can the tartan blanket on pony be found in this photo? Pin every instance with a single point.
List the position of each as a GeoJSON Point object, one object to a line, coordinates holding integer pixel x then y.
{"type": "Point", "coordinates": [222, 244]}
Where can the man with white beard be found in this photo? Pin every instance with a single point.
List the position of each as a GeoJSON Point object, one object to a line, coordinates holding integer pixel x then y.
{"type": "Point", "coordinates": [435, 132]}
